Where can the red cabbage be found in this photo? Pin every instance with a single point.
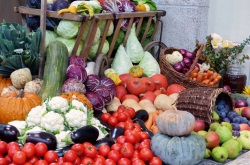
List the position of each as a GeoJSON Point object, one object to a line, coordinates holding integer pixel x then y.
{"type": "Point", "coordinates": [106, 93]}
{"type": "Point", "coordinates": [76, 72]}
{"type": "Point", "coordinates": [92, 82]}
{"type": "Point", "coordinates": [73, 85]}
{"type": "Point", "coordinates": [96, 100]}
{"type": "Point", "coordinates": [108, 82]}
{"type": "Point", "coordinates": [73, 59]}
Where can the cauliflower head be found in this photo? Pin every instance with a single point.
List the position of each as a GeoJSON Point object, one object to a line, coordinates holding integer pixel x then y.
{"type": "Point", "coordinates": [59, 138]}
{"type": "Point", "coordinates": [79, 105]}
{"type": "Point", "coordinates": [34, 129]}
{"type": "Point", "coordinates": [19, 124]}
{"type": "Point", "coordinates": [101, 128]}
{"type": "Point", "coordinates": [58, 103]}
{"type": "Point", "coordinates": [174, 58]}
{"type": "Point", "coordinates": [52, 122]}
{"type": "Point", "coordinates": [34, 116]}
{"type": "Point", "coordinates": [76, 118]}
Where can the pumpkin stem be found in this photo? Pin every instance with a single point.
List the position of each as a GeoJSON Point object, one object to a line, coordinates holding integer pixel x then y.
{"type": "Point", "coordinates": [20, 94]}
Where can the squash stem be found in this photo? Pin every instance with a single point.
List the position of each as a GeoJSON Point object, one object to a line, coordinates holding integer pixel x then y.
{"type": "Point", "coordinates": [20, 94]}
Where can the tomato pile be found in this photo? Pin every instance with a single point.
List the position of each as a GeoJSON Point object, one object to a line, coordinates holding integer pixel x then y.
{"type": "Point", "coordinates": [131, 148]}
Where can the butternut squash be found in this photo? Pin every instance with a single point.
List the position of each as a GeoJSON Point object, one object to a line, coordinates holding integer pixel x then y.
{"type": "Point", "coordinates": [147, 105]}
{"type": "Point", "coordinates": [132, 103]}
{"type": "Point", "coordinates": [164, 102]}
{"type": "Point", "coordinates": [114, 105]}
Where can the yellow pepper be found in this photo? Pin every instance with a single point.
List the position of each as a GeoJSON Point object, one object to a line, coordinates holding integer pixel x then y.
{"type": "Point", "coordinates": [70, 9]}
{"type": "Point", "coordinates": [115, 77]}
{"type": "Point", "coordinates": [136, 71]}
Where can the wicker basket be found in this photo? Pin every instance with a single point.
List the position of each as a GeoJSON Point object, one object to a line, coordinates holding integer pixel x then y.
{"type": "Point", "coordinates": [174, 76]}
{"type": "Point", "coordinates": [201, 101]}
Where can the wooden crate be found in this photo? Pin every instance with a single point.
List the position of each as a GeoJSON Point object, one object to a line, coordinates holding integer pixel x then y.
{"type": "Point", "coordinates": [103, 61]}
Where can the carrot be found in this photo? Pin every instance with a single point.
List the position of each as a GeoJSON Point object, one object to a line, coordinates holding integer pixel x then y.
{"type": "Point", "coordinates": [149, 122]}
{"type": "Point", "coordinates": [209, 73]}
{"type": "Point", "coordinates": [205, 81]}
{"type": "Point", "coordinates": [199, 77]}
{"type": "Point", "coordinates": [205, 75]}
{"type": "Point", "coordinates": [213, 76]}
{"type": "Point", "coordinates": [154, 117]}
{"type": "Point", "coordinates": [194, 72]}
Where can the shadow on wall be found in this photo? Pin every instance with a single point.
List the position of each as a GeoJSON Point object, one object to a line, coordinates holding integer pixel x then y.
{"type": "Point", "coordinates": [7, 10]}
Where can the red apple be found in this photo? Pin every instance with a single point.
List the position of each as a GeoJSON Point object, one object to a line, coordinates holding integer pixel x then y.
{"type": "Point", "coordinates": [244, 126]}
{"type": "Point", "coordinates": [212, 139]}
{"type": "Point", "coordinates": [246, 112]}
{"type": "Point", "coordinates": [199, 125]}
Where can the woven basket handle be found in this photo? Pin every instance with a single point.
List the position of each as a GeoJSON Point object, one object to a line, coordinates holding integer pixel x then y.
{"type": "Point", "coordinates": [198, 54]}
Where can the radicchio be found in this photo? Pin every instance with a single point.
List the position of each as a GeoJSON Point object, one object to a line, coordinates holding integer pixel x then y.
{"type": "Point", "coordinates": [73, 85]}
{"type": "Point", "coordinates": [96, 100]}
{"type": "Point", "coordinates": [77, 72]}
{"type": "Point", "coordinates": [92, 82]}
{"type": "Point", "coordinates": [73, 59]}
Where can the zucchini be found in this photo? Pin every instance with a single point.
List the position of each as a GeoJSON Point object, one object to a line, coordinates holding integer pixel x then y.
{"type": "Point", "coordinates": [55, 69]}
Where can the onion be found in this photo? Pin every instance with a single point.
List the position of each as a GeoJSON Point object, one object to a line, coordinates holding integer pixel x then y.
{"type": "Point", "coordinates": [183, 51]}
{"type": "Point", "coordinates": [240, 103]}
{"type": "Point", "coordinates": [187, 61]}
{"type": "Point", "coordinates": [226, 87]}
{"type": "Point", "coordinates": [185, 70]}
{"type": "Point", "coordinates": [178, 67]}
{"type": "Point", "coordinates": [189, 55]}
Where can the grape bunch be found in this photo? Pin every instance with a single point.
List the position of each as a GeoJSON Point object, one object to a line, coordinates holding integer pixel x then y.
{"type": "Point", "coordinates": [222, 108]}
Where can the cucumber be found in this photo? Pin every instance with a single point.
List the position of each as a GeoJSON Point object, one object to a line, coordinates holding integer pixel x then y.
{"type": "Point", "coordinates": [55, 69]}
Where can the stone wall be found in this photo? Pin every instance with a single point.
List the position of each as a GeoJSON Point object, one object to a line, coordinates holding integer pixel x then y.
{"type": "Point", "coordinates": [185, 21]}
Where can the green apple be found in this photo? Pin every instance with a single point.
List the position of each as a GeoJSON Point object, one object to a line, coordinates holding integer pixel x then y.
{"type": "Point", "coordinates": [241, 147]}
{"type": "Point", "coordinates": [245, 139]}
{"type": "Point", "coordinates": [216, 117]}
{"type": "Point", "coordinates": [207, 153]}
{"type": "Point", "coordinates": [233, 148]}
{"type": "Point", "coordinates": [202, 133]}
{"type": "Point", "coordinates": [224, 133]}
{"type": "Point", "coordinates": [219, 154]}
{"type": "Point", "coordinates": [213, 126]}
{"type": "Point", "coordinates": [228, 125]}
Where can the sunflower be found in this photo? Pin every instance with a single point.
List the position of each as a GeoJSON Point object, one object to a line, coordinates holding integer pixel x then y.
{"type": "Point", "coordinates": [246, 90]}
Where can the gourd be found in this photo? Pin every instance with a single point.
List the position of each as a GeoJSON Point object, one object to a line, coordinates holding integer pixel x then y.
{"type": "Point", "coordinates": [184, 150]}
{"type": "Point", "coordinates": [136, 71]}
{"type": "Point", "coordinates": [164, 102]}
{"type": "Point", "coordinates": [175, 122]}
{"type": "Point", "coordinates": [114, 105]}
{"type": "Point", "coordinates": [20, 77]}
{"type": "Point", "coordinates": [77, 96]}
{"type": "Point", "coordinates": [55, 69]}
{"type": "Point", "coordinates": [33, 86]}
{"type": "Point", "coordinates": [15, 105]}
{"type": "Point", "coordinates": [147, 105]}
{"type": "Point", "coordinates": [132, 103]}
{"type": "Point", "coordinates": [4, 82]}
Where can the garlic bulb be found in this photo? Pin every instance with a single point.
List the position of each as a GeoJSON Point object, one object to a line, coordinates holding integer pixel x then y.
{"type": "Point", "coordinates": [20, 77]}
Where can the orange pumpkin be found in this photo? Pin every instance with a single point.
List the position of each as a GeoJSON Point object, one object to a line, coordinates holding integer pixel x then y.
{"type": "Point", "coordinates": [15, 105]}
{"type": "Point", "coordinates": [4, 82]}
{"type": "Point", "coordinates": [77, 96]}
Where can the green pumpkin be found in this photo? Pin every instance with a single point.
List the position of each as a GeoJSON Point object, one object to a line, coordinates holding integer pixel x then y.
{"type": "Point", "coordinates": [178, 150]}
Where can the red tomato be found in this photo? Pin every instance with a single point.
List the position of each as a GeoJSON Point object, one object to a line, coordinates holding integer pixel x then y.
{"type": "Point", "coordinates": [33, 159]}
{"type": "Point", "coordinates": [3, 147]}
{"type": "Point", "coordinates": [113, 121]}
{"type": "Point", "coordinates": [127, 150]}
{"type": "Point", "coordinates": [109, 162]}
{"type": "Point", "coordinates": [131, 138]}
{"type": "Point", "coordinates": [122, 116]}
{"type": "Point", "coordinates": [136, 153]}
{"type": "Point", "coordinates": [79, 148]}
{"type": "Point", "coordinates": [77, 161]}
{"type": "Point", "coordinates": [146, 154]}
{"type": "Point", "coordinates": [103, 150]}
{"type": "Point", "coordinates": [138, 162]}
{"type": "Point", "coordinates": [98, 163]}
{"type": "Point", "coordinates": [147, 141]}
{"type": "Point", "coordinates": [3, 161]}
{"type": "Point", "coordinates": [60, 160]}
{"type": "Point", "coordinates": [114, 155]}
{"type": "Point", "coordinates": [28, 163]}
{"type": "Point", "coordinates": [70, 156]}
{"type": "Point", "coordinates": [41, 162]}
{"type": "Point", "coordinates": [67, 163]}
{"type": "Point", "coordinates": [19, 157]}
{"type": "Point", "coordinates": [105, 117]}
{"type": "Point", "coordinates": [124, 161]}
{"type": "Point", "coordinates": [115, 114]}
{"type": "Point", "coordinates": [155, 161]}
{"type": "Point", "coordinates": [120, 124]}
{"type": "Point", "coordinates": [87, 161]}
{"type": "Point", "coordinates": [99, 158]}
{"type": "Point", "coordinates": [116, 146]}
{"type": "Point", "coordinates": [134, 158]}
{"type": "Point", "coordinates": [137, 127]}
{"type": "Point", "coordinates": [29, 149]}
{"type": "Point", "coordinates": [121, 139]}
{"type": "Point", "coordinates": [121, 108]}
{"type": "Point", "coordinates": [40, 149]}
{"type": "Point", "coordinates": [86, 144]}
{"type": "Point", "coordinates": [12, 145]}
{"type": "Point", "coordinates": [90, 151]}
{"type": "Point", "coordinates": [54, 164]}
{"type": "Point", "coordinates": [142, 145]}
{"type": "Point", "coordinates": [143, 135]}
{"type": "Point", "coordinates": [12, 151]}
{"type": "Point", "coordinates": [131, 111]}
{"type": "Point", "coordinates": [51, 156]}
{"type": "Point", "coordinates": [129, 126]}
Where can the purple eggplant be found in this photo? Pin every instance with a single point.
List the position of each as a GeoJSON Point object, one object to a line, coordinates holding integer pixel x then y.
{"type": "Point", "coordinates": [86, 133]}
{"type": "Point", "coordinates": [141, 114]}
{"type": "Point", "coordinates": [107, 141]}
{"type": "Point", "coordinates": [116, 132]}
{"type": "Point", "coordinates": [8, 133]}
{"type": "Point", "coordinates": [45, 137]}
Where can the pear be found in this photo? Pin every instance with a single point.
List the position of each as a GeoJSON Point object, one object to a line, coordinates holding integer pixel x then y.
{"type": "Point", "coordinates": [213, 126]}
{"type": "Point", "coordinates": [216, 117]}
{"type": "Point", "coordinates": [228, 125]}
{"type": "Point", "coordinates": [219, 154]}
{"type": "Point", "coordinates": [224, 133]}
{"type": "Point", "coordinates": [233, 148]}
{"type": "Point", "coordinates": [207, 153]}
